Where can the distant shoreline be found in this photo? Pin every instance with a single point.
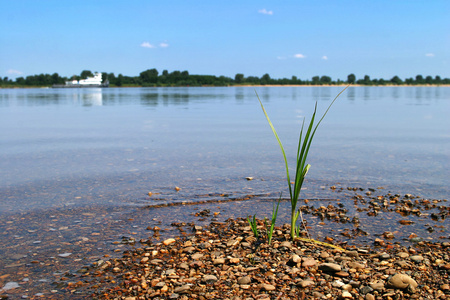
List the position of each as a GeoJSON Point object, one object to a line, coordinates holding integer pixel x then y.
{"type": "Point", "coordinates": [253, 85]}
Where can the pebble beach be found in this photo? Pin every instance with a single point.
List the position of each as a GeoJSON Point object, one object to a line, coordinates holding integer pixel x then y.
{"type": "Point", "coordinates": [225, 261]}
{"type": "Point", "coordinates": [212, 253]}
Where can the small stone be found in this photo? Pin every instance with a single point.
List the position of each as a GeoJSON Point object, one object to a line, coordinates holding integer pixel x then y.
{"type": "Point", "coordinates": [306, 283]}
{"type": "Point", "coordinates": [337, 283]}
{"type": "Point", "coordinates": [209, 279]}
{"type": "Point", "coordinates": [189, 249]}
{"type": "Point", "coordinates": [445, 287]}
{"type": "Point", "coordinates": [384, 256]}
{"type": "Point", "coordinates": [416, 258]}
{"type": "Point", "coordinates": [67, 254]}
{"type": "Point", "coordinates": [318, 295]}
{"type": "Point", "coordinates": [267, 287]}
{"type": "Point", "coordinates": [347, 287]}
{"type": "Point", "coordinates": [244, 280]}
{"type": "Point", "coordinates": [219, 261]}
{"type": "Point", "coordinates": [196, 256]}
{"type": "Point", "coordinates": [369, 297]}
{"type": "Point", "coordinates": [346, 295]}
{"type": "Point", "coordinates": [295, 260]}
{"type": "Point", "coordinates": [379, 242]}
{"type": "Point", "coordinates": [286, 244]}
{"type": "Point", "coordinates": [235, 242]}
{"type": "Point", "coordinates": [403, 254]}
{"type": "Point", "coordinates": [365, 290]}
{"type": "Point", "coordinates": [169, 241]}
{"type": "Point", "coordinates": [401, 281]}
{"type": "Point", "coordinates": [341, 274]}
{"type": "Point", "coordinates": [403, 264]}
{"type": "Point", "coordinates": [378, 286]}
{"type": "Point", "coordinates": [156, 261]}
{"type": "Point", "coordinates": [10, 285]}
{"type": "Point", "coordinates": [330, 267]}
{"type": "Point", "coordinates": [234, 260]}
{"type": "Point", "coordinates": [388, 235]}
{"type": "Point", "coordinates": [308, 262]}
{"type": "Point", "coordinates": [182, 289]}
{"type": "Point", "coordinates": [352, 253]}
{"type": "Point", "coordinates": [355, 265]}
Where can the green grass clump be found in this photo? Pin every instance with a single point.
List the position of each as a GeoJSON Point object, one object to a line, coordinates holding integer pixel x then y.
{"type": "Point", "coordinates": [270, 229]}
{"type": "Point", "coordinates": [301, 169]}
{"type": "Point", "coordinates": [253, 225]}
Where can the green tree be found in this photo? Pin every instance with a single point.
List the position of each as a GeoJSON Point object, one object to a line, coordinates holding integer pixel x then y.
{"type": "Point", "coordinates": [265, 79]}
{"type": "Point", "coordinates": [325, 80]}
{"type": "Point", "coordinates": [184, 75]}
{"type": "Point", "coordinates": [396, 80]}
{"type": "Point", "coordinates": [252, 79]}
{"type": "Point", "coordinates": [239, 78]}
{"type": "Point", "coordinates": [20, 80]}
{"type": "Point", "coordinates": [419, 79]}
{"type": "Point", "coordinates": [315, 80]}
{"type": "Point", "coordinates": [149, 76]}
{"type": "Point", "coordinates": [174, 77]}
{"type": "Point", "coordinates": [351, 78]}
{"type": "Point", "coordinates": [437, 80]}
{"type": "Point", "coordinates": [294, 79]}
{"type": "Point", "coordinates": [429, 80]}
{"type": "Point", "coordinates": [119, 80]}
{"type": "Point", "coordinates": [85, 74]}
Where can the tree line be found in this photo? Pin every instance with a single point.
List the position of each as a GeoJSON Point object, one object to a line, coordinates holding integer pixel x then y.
{"type": "Point", "coordinates": [152, 77]}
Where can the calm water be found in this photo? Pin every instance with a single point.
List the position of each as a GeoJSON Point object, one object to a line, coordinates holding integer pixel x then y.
{"type": "Point", "coordinates": [63, 147]}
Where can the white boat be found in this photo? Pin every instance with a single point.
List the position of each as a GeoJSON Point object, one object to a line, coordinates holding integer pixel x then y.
{"type": "Point", "coordinates": [95, 81]}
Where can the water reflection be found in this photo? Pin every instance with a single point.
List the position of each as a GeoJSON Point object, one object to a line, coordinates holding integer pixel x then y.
{"type": "Point", "coordinates": [351, 93]}
{"type": "Point", "coordinates": [93, 98]}
{"type": "Point", "coordinates": [153, 97]}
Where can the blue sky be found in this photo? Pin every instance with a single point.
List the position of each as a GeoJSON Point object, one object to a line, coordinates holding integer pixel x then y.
{"type": "Point", "coordinates": [283, 38]}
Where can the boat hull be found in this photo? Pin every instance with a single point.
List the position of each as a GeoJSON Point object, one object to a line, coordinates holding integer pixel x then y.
{"type": "Point", "coordinates": [78, 86]}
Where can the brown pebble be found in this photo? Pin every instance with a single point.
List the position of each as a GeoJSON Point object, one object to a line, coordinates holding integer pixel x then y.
{"type": "Point", "coordinates": [244, 280]}
{"type": "Point", "coordinates": [267, 287]}
{"type": "Point", "coordinates": [306, 283]}
{"type": "Point", "coordinates": [401, 281]}
{"type": "Point", "coordinates": [169, 241]}
{"type": "Point", "coordinates": [308, 262]}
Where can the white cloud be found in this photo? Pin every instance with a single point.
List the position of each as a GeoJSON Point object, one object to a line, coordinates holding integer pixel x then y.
{"type": "Point", "coordinates": [14, 72]}
{"type": "Point", "coordinates": [299, 55]}
{"type": "Point", "coordinates": [147, 45]}
{"type": "Point", "coordinates": [265, 11]}
{"type": "Point", "coordinates": [324, 57]}
{"type": "Point", "coordinates": [164, 45]}
{"type": "Point", "coordinates": [429, 54]}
